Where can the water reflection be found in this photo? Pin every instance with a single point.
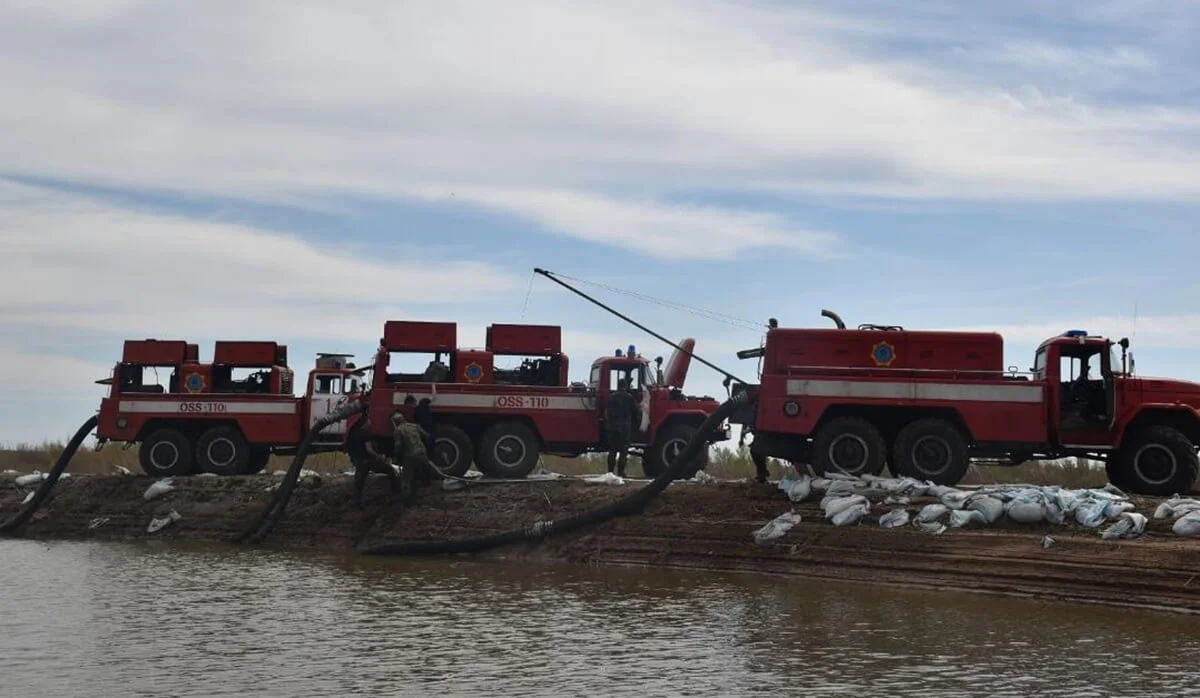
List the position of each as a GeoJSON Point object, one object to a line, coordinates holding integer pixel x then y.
{"type": "Point", "coordinates": [103, 619]}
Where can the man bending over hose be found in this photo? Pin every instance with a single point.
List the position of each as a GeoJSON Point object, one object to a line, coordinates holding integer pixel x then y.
{"type": "Point", "coordinates": [410, 453]}
{"type": "Point", "coordinates": [367, 459]}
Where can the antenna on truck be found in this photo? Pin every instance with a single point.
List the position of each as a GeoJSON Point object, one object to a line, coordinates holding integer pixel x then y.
{"type": "Point", "coordinates": [550, 275]}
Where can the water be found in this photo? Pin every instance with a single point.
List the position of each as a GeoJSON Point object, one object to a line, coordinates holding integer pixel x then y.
{"type": "Point", "coordinates": [101, 619]}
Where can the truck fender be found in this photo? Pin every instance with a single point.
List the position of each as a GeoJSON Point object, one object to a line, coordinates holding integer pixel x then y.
{"type": "Point", "coordinates": [686, 416]}
{"type": "Point", "coordinates": [1176, 411]}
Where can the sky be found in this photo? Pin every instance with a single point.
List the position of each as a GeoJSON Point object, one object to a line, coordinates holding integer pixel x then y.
{"type": "Point", "coordinates": [303, 171]}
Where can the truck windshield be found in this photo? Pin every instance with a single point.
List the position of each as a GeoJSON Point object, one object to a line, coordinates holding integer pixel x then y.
{"type": "Point", "coordinates": [1039, 363]}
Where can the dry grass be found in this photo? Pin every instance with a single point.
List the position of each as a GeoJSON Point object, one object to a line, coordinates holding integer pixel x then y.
{"type": "Point", "coordinates": [725, 463]}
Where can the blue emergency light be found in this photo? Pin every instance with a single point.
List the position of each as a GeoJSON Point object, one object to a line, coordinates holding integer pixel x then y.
{"type": "Point", "coordinates": [617, 352]}
{"type": "Point", "coordinates": [632, 351]}
{"type": "Point", "coordinates": [1075, 333]}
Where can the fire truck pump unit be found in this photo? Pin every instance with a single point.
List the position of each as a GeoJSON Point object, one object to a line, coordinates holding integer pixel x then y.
{"type": "Point", "coordinates": [925, 404]}
{"type": "Point", "coordinates": [502, 417]}
{"type": "Point", "coordinates": [208, 418]}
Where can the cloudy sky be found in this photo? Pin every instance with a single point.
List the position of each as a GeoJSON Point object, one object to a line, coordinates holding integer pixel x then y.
{"type": "Point", "coordinates": [303, 171]}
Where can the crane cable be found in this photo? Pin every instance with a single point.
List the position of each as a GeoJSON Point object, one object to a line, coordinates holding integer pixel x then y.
{"type": "Point", "coordinates": [715, 316]}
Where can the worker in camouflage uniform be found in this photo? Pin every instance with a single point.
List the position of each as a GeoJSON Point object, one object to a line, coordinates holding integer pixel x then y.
{"type": "Point", "coordinates": [410, 453]}
{"type": "Point", "coordinates": [618, 424]}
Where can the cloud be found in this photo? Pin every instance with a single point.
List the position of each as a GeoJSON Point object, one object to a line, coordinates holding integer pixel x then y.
{"type": "Point", "coordinates": [561, 116]}
{"type": "Point", "coordinates": [667, 231]}
{"type": "Point", "coordinates": [43, 376]}
{"type": "Point", "coordinates": [1051, 57]}
{"type": "Point", "coordinates": [75, 262]}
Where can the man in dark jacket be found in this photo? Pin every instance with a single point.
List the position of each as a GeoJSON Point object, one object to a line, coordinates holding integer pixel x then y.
{"type": "Point", "coordinates": [618, 422]}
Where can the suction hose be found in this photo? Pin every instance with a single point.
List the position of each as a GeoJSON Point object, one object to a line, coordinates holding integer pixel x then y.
{"type": "Point", "coordinates": [60, 466]}
{"type": "Point", "coordinates": [274, 511]}
{"type": "Point", "coordinates": [545, 529]}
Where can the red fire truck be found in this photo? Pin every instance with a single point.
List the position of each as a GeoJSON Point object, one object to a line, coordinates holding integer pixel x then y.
{"type": "Point", "coordinates": [503, 418]}
{"type": "Point", "coordinates": [209, 417]}
{"type": "Point", "coordinates": [927, 403]}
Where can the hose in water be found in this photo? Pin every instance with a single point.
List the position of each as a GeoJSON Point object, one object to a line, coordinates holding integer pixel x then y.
{"type": "Point", "coordinates": [60, 466]}
{"type": "Point", "coordinates": [283, 494]}
{"type": "Point", "coordinates": [545, 529]}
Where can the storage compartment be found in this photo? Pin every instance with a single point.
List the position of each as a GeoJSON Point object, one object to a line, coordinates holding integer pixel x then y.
{"type": "Point", "coordinates": [154, 352]}
{"type": "Point", "coordinates": [524, 340]}
{"type": "Point", "coordinates": [425, 337]}
{"type": "Point", "coordinates": [246, 354]}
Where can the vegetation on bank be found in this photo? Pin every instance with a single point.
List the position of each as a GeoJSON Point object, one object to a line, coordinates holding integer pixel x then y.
{"type": "Point", "coordinates": [725, 463]}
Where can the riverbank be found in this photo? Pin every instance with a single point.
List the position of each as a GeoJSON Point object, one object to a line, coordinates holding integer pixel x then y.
{"type": "Point", "coordinates": [704, 526]}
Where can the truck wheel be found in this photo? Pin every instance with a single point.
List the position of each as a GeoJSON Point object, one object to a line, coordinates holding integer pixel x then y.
{"type": "Point", "coordinates": [849, 445]}
{"type": "Point", "coordinates": [933, 450]}
{"type": "Point", "coordinates": [222, 451]}
{"type": "Point", "coordinates": [668, 444]}
{"type": "Point", "coordinates": [1156, 461]}
{"type": "Point", "coordinates": [259, 458]}
{"type": "Point", "coordinates": [165, 453]}
{"type": "Point", "coordinates": [508, 450]}
{"type": "Point", "coordinates": [452, 450]}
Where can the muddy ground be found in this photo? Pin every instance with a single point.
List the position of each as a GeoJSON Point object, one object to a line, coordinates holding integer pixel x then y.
{"type": "Point", "coordinates": [702, 526]}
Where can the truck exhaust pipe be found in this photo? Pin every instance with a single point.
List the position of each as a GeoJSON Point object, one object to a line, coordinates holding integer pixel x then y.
{"type": "Point", "coordinates": [836, 319]}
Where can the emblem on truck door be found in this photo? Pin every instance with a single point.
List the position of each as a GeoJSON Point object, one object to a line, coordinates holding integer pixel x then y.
{"type": "Point", "coordinates": [883, 354]}
{"type": "Point", "coordinates": [194, 382]}
{"type": "Point", "coordinates": [473, 372]}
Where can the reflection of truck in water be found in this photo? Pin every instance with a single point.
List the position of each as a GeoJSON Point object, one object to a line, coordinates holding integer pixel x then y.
{"type": "Point", "coordinates": [503, 419]}
{"type": "Point", "coordinates": [209, 418]}
{"type": "Point", "coordinates": [926, 403]}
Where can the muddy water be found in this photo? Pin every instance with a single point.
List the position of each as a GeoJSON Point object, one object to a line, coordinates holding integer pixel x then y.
{"type": "Point", "coordinates": [83, 619]}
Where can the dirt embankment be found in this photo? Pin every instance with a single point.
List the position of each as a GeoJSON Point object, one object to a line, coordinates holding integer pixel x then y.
{"type": "Point", "coordinates": [702, 526]}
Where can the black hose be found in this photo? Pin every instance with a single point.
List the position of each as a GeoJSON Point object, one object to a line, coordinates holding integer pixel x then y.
{"type": "Point", "coordinates": [545, 529]}
{"type": "Point", "coordinates": [837, 320]}
{"type": "Point", "coordinates": [48, 483]}
{"type": "Point", "coordinates": [283, 494]}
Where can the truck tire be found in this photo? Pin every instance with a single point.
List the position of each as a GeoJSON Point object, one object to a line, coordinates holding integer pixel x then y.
{"type": "Point", "coordinates": [222, 451]}
{"type": "Point", "coordinates": [849, 445]}
{"type": "Point", "coordinates": [667, 443]}
{"type": "Point", "coordinates": [508, 450]}
{"type": "Point", "coordinates": [452, 450]}
{"type": "Point", "coordinates": [1157, 462]}
{"type": "Point", "coordinates": [166, 453]}
{"type": "Point", "coordinates": [933, 450]}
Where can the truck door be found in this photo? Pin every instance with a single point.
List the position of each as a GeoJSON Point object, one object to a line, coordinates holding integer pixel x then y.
{"type": "Point", "coordinates": [328, 392]}
{"type": "Point", "coordinates": [635, 374]}
{"type": "Point", "coordinates": [1086, 404]}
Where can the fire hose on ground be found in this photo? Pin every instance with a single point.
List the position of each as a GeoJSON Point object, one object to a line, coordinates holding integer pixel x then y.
{"type": "Point", "coordinates": [544, 529]}
{"type": "Point", "coordinates": [283, 494]}
{"type": "Point", "coordinates": [43, 491]}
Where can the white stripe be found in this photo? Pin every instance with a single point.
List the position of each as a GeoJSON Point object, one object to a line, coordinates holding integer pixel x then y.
{"type": "Point", "coordinates": [502, 402]}
{"type": "Point", "coordinates": [888, 390]}
{"type": "Point", "coordinates": [205, 406]}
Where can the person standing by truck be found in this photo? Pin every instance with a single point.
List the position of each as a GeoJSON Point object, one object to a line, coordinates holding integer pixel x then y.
{"type": "Point", "coordinates": [423, 416]}
{"type": "Point", "coordinates": [618, 422]}
{"type": "Point", "coordinates": [410, 453]}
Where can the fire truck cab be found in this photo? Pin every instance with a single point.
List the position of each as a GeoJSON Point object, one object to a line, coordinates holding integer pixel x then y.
{"type": "Point", "coordinates": [927, 403]}
{"type": "Point", "coordinates": [502, 417]}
